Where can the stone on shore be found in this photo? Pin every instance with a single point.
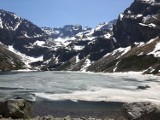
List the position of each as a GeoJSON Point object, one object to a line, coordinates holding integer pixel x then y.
{"type": "Point", "coordinates": [16, 108]}
{"type": "Point", "coordinates": [141, 111]}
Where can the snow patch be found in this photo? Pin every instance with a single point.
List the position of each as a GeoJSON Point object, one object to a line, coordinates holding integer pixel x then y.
{"type": "Point", "coordinates": [37, 35]}
{"type": "Point", "coordinates": [63, 41]}
{"type": "Point", "coordinates": [100, 26]}
{"type": "Point", "coordinates": [121, 16]}
{"type": "Point", "coordinates": [123, 51]}
{"type": "Point", "coordinates": [50, 31]}
{"type": "Point", "coordinates": [1, 23]}
{"type": "Point", "coordinates": [15, 16]}
{"type": "Point", "coordinates": [56, 60]}
{"type": "Point", "coordinates": [156, 51]}
{"type": "Point", "coordinates": [39, 43]}
{"type": "Point", "coordinates": [152, 25]}
{"type": "Point", "coordinates": [148, 25]}
{"type": "Point", "coordinates": [80, 34]}
{"type": "Point", "coordinates": [47, 61]}
{"type": "Point", "coordinates": [26, 59]}
{"type": "Point", "coordinates": [114, 70]}
{"type": "Point", "coordinates": [107, 36]}
{"type": "Point", "coordinates": [17, 25]}
{"type": "Point", "coordinates": [139, 15]}
{"type": "Point", "coordinates": [76, 47]}
{"type": "Point", "coordinates": [25, 70]}
{"type": "Point", "coordinates": [146, 18]}
{"type": "Point", "coordinates": [150, 69]}
{"type": "Point", "coordinates": [90, 33]}
{"type": "Point", "coordinates": [151, 40]}
{"type": "Point", "coordinates": [139, 44]}
{"type": "Point", "coordinates": [107, 55]}
{"type": "Point", "coordinates": [87, 63]}
{"type": "Point", "coordinates": [140, 54]}
{"type": "Point", "coordinates": [25, 35]}
{"type": "Point", "coordinates": [129, 12]}
{"type": "Point", "coordinates": [146, 1]}
{"type": "Point", "coordinates": [77, 59]}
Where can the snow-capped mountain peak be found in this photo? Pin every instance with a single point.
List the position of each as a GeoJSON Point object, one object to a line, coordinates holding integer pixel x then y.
{"type": "Point", "coordinates": [106, 25]}
{"type": "Point", "coordinates": [146, 1]}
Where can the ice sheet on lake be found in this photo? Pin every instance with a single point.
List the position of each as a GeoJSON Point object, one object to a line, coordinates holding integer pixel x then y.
{"type": "Point", "coordinates": [118, 87]}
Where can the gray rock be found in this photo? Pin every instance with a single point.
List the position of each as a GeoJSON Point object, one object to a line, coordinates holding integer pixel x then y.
{"type": "Point", "coordinates": [141, 111]}
{"type": "Point", "coordinates": [68, 118]}
{"type": "Point", "coordinates": [16, 108]}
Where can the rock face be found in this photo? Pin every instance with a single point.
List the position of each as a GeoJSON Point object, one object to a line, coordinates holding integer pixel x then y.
{"type": "Point", "coordinates": [8, 60]}
{"type": "Point", "coordinates": [21, 37]}
{"type": "Point", "coordinates": [139, 23]}
{"type": "Point", "coordinates": [20, 33]}
{"type": "Point", "coordinates": [137, 37]}
{"type": "Point", "coordinates": [15, 109]}
{"type": "Point", "coordinates": [141, 111]}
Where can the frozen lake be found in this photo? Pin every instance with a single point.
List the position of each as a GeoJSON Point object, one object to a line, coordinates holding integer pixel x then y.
{"type": "Point", "coordinates": [75, 86]}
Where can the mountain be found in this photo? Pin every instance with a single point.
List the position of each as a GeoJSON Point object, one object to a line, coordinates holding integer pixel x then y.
{"type": "Point", "coordinates": [74, 43]}
{"type": "Point", "coordinates": [20, 33]}
{"type": "Point", "coordinates": [22, 37]}
{"type": "Point", "coordinates": [130, 43]}
{"type": "Point", "coordinates": [139, 23]}
{"type": "Point", "coordinates": [50, 48]}
{"type": "Point", "coordinates": [137, 35]}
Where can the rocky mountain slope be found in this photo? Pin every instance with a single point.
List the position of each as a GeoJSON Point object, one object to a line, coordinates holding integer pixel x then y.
{"type": "Point", "coordinates": [73, 43]}
{"type": "Point", "coordinates": [8, 60]}
{"type": "Point", "coordinates": [20, 33]}
{"type": "Point", "coordinates": [134, 45]}
{"type": "Point", "coordinates": [137, 34]}
{"type": "Point", "coordinates": [130, 43]}
{"type": "Point", "coordinates": [21, 36]}
{"type": "Point", "coordinates": [49, 48]}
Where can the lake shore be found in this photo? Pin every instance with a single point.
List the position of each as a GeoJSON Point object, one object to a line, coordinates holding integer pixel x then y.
{"type": "Point", "coordinates": [62, 94]}
{"type": "Point", "coordinates": [80, 109]}
{"type": "Point", "coordinates": [43, 109]}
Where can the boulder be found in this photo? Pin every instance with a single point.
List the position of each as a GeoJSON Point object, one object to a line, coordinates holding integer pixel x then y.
{"type": "Point", "coordinates": [141, 111]}
{"type": "Point", "coordinates": [16, 108]}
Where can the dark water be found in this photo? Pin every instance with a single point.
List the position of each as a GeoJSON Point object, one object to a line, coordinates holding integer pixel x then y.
{"type": "Point", "coordinates": [79, 109]}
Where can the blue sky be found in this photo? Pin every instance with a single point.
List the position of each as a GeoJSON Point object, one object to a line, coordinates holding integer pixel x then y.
{"type": "Point", "coordinates": [57, 13]}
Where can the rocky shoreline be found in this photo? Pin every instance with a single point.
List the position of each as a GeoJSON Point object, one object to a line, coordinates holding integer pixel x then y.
{"type": "Point", "coordinates": [61, 118]}
{"type": "Point", "coordinates": [22, 109]}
